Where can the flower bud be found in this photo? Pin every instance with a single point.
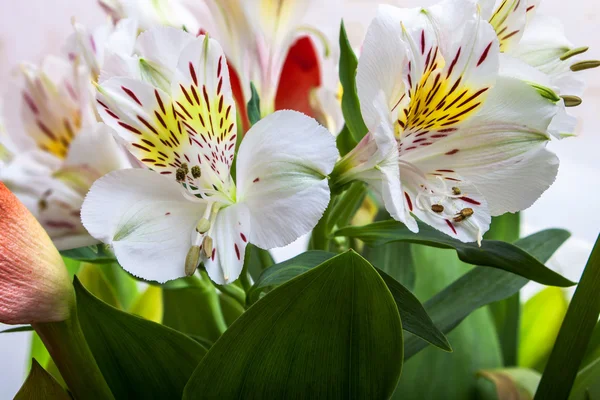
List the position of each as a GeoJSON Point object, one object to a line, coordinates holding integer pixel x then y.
{"type": "Point", "coordinates": [34, 283]}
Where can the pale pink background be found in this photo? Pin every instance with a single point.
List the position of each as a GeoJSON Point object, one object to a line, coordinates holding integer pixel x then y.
{"type": "Point", "coordinates": [31, 28]}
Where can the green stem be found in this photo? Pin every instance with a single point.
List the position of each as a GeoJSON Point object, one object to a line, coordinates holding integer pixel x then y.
{"type": "Point", "coordinates": [215, 317]}
{"type": "Point", "coordinates": [70, 352]}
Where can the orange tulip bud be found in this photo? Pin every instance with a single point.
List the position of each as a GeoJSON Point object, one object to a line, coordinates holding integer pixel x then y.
{"type": "Point", "coordinates": [34, 283]}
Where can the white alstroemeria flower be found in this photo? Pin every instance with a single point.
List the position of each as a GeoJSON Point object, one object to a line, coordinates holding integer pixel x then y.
{"type": "Point", "coordinates": [540, 42]}
{"type": "Point", "coordinates": [93, 47]}
{"type": "Point", "coordinates": [468, 143]}
{"type": "Point", "coordinates": [62, 150]}
{"type": "Point", "coordinates": [162, 221]}
{"type": "Point", "coordinates": [151, 14]}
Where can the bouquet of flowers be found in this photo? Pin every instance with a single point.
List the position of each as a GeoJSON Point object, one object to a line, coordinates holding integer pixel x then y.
{"type": "Point", "coordinates": [165, 153]}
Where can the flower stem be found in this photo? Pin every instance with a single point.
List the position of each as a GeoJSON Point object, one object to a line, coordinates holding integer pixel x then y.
{"type": "Point", "coordinates": [215, 318]}
{"type": "Point", "coordinates": [70, 352]}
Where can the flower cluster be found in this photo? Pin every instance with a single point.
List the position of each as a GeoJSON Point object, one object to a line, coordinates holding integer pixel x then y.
{"type": "Point", "coordinates": [139, 135]}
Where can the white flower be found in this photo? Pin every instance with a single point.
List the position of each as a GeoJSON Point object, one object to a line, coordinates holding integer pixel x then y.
{"type": "Point", "coordinates": [470, 142]}
{"type": "Point", "coordinates": [287, 49]}
{"type": "Point", "coordinates": [106, 40]}
{"type": "Point", "coordinates": [62, 150]}
{"type": "Point", "coordinates": [151, 14]}
{"type": "Point", "coordinates": [161, 221]}
{"type": "Point", "coordinates": [539, 41]}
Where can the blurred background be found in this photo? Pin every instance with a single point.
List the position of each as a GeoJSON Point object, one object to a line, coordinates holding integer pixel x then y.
{"type": "Point", "coordinates": [30, 29]}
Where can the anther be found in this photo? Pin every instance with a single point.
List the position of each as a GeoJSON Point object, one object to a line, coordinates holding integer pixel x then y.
{"type": "Point", "coordinates": [207, 246]}
{"type": "Point", "coordinates": [573, 52]}
{"type": "Point", "coordinates": [180, 175]}
{"type": "Point", "coordinates": [571, 101]}
{"type": "Point", "coordinates": [185, 168]}
{"type": "Point", "coordinates": [581, 65]}
{"type": "Point", "coordinates": [463, 214]}
{"type": "Point", "coordinates": [456, 190]}
{"type": "Point", "coordinates": [191, 260]}
{"type": "Point", "coordinates": [196, 171]}
{"type": "Point", "coordinates": [203, 226]}
{"type": "Point", "coordinates": [438, 208]}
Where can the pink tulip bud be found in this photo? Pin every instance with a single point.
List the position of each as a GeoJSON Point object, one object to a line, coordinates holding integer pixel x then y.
{"type": "Point", "coordinates": [34, 283]}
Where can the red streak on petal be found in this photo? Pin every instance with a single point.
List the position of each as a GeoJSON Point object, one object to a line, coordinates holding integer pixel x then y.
{"type": "Point", "coordinates": [410, 206]}
{"type": "Point", "coordinates": [451, 226]}
{"type": "Point", "coordinates": [470, 200]}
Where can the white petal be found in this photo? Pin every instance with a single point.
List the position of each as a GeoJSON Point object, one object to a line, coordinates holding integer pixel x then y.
{"type": "Point", "coordinates": [516, 187]}
{"type": "Point", "coordinates": [146, 218]}
{"type": "Point", "coordinates": [95, 147]}
{"type": "Point", "coordinates": [282, 169]}
{"type": "Point", "coordinates": [230, 235]}
{"type": "Point", "coordinates": [162, 46]}
{"type": "Point", "coordinates": [381, 66]}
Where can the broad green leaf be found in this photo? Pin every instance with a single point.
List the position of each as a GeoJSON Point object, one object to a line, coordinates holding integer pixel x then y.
{"type": "Point", "coordinates": [396, 259]}
{"type": "Point", "coordinates": [95, 254]}
{"type": "Point", "coordinates": [138, 358]}
{"type": "Point", "coordinates": [507, 313]}
{"type": "Point", "coordinates": [414, 318]}
{"type": "Point", "coordinates": [192, 307]}
{"type": "Point", "coordinates": [334, 332]}
{"type": "Point", "coordinates": [287, 270]}
{"type": "Point", "coordinates": [124, 285]}
{"type": "Point", "coordinates": [480, 286]}
{"type": "Point", "coordinates": [434, 374]}
{"type": "Point", "coordinates": [95, 281]}
{"type": "Point", "coordinates": [38, 351]}
{"type": "Point", "coordinates": [542, 316]}
{"type": "Point", "coordinates": [492, 253]}
{"type": "Point", "coordinates": [253, 106]}
{"type": "Point", "coordinates": [575, 333]}
{"type": "Point", "coordinates": [230, 308]}
{"type": "Point", "coordinates": [149, 304]}
{"type": "Point", "coordinates": [344, 141]}
{"type": "Point", "coordinates": [40, 385]}
{"type": "Point", "coordinates": [507, 383]}
{"type": "Point", "coordinates": [350, 104]}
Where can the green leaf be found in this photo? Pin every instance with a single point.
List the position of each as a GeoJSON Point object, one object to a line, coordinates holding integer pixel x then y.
{"type": "Point", "coordinates": [414, 318]}
{"type": "Point", "coordinates": [95, 281]}
{"type": "Point", "coordinates": [434, 374]}
{"type": "Point", "coordinates": [287, 270]}
{"type": "Point", "coordinates": [575, 333]}
{"type": "Point", "coordinates": [344, 141]}
{"type": "Point", "coordinates": [95, 254]}
{"type": "Point", "coordinates": [508, 383]}
{"type": "Point", "coordinates": [26, 328]}
{"type": "Point", "coordinates": [124, 285]}
{"type": "Point", "coordinates": [230, 308]}
{"type": "Point", "coordinates": [333, 331]}
{"type": "Point", "coordinates": [542, 316]}
{"type": "Point", "coordinates": [253, 106]}
{"type": "Point", "coordinates": [256, 260]}
{"type": "Point", "coordinates": [492, 253]}
{"type": "Point", "coordinates": [413, 315]}
{"type": "Point", "coordinates": [481, 286]}
{"type": "Point", "coordinates": [149, 304]}
{"type": "Point", "coordinates": [396, 259]}
{"type": "Point", "coordinates": [192, 307]}
{"type": "Point", "coordinates": [350, 104]}
{"type": "Point", "coordinates": [346, 206]}
{"type": "Point", "coordinates": [40, 385]}
{"type": "Point", "coordinates": [507, 313]}
{"type": "Point", "coordinates": [593, 349]}
{"type": "Point", "coordinates": [138, 358]}
{"type": "Point", "coordinates": [587, 382]}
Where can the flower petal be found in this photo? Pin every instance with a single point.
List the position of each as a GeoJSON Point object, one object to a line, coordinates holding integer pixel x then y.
{"type": "Point", "coordinates": [146, 218]}
{"type": "Point", "coordinates": [511, 126]}
{"type": "Point", "coordinates": [230, 236]}
{"type": "Point", "coordinates": [282, 169]}
{"type": "Point", "coordinates": [203, 98]}
{"type": "Point", "coordinates": [509, 21]}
